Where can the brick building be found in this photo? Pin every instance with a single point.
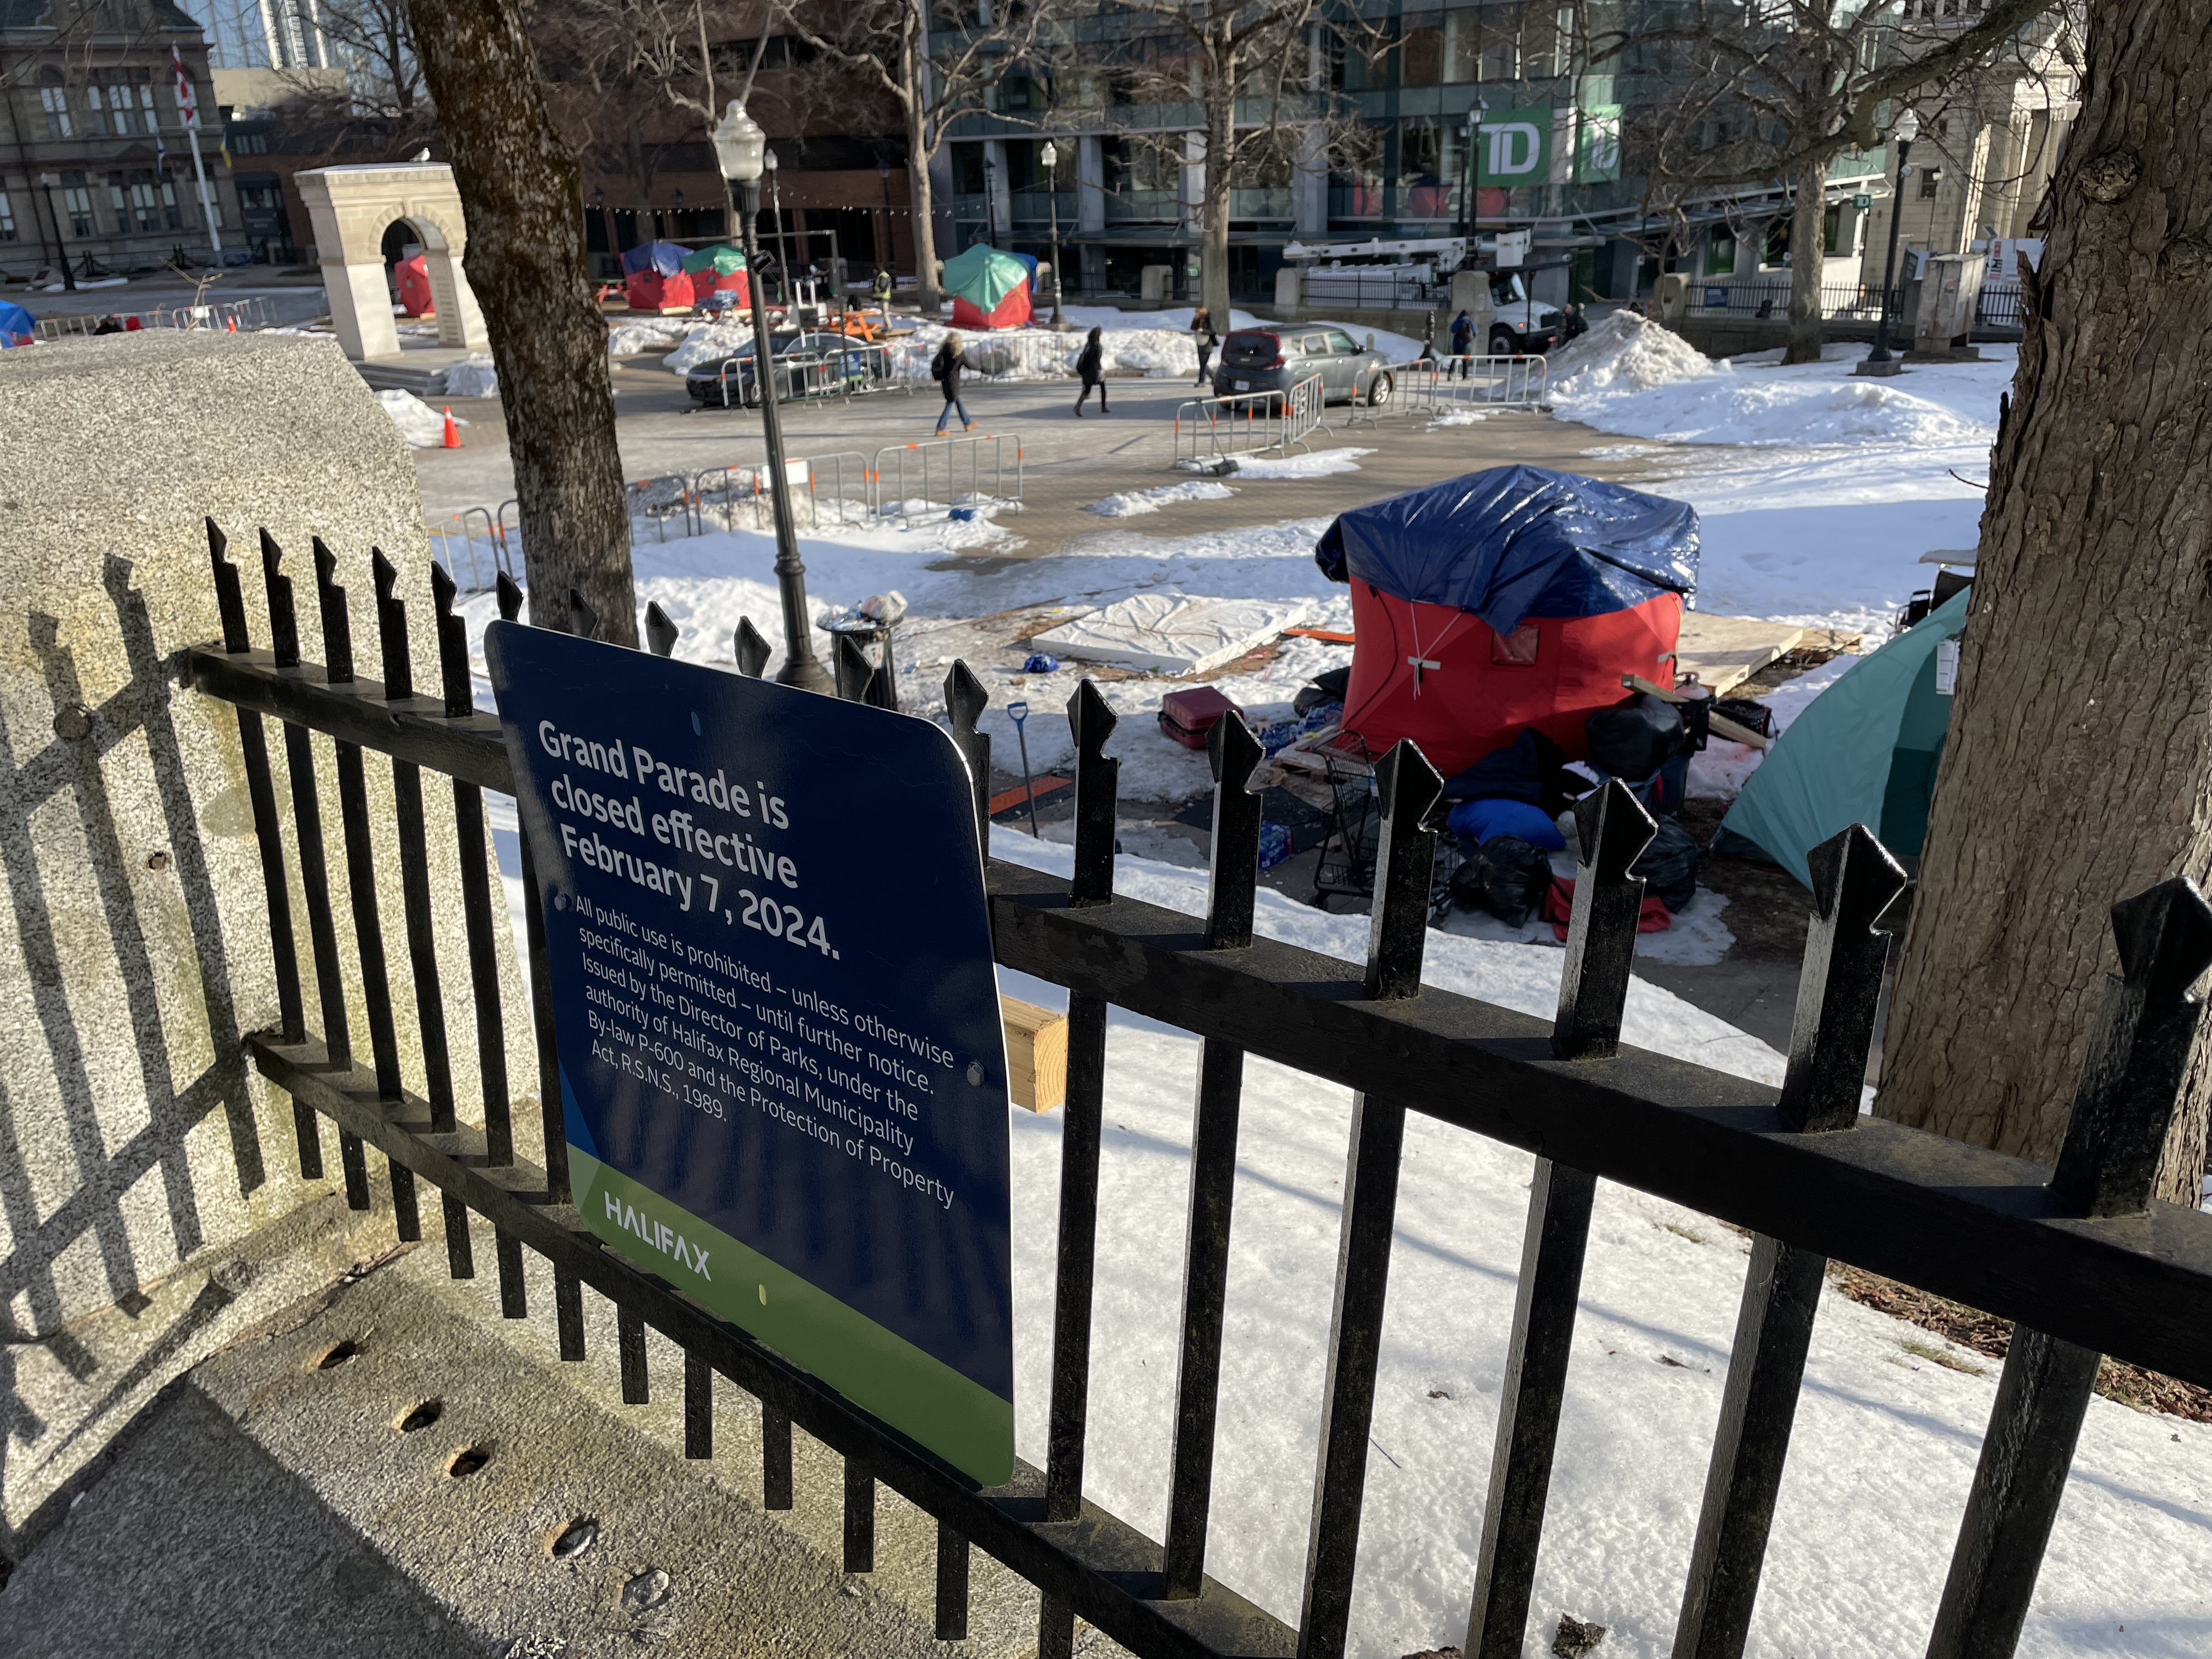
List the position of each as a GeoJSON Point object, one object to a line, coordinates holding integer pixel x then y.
{"type": "Point", "coordinates": [95, 163]}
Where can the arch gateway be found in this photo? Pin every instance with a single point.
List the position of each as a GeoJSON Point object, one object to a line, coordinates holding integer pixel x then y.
{"type": "Point", "coordinates": [351, 208]}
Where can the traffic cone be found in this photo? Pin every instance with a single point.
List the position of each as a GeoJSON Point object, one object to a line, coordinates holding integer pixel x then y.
{"type": "Point", "coordinates": [233, 325]}
{"type": "Point", "coordinates": [452, 432]}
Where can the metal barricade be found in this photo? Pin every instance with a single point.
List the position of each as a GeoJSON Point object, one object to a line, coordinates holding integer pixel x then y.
{"type": "Point", "coordinates": [1472, 383]}
{"type": "Point", "coordinates": [825, 489]}
{"type": "Point", "coordinates": [660, 501]}
{"type": "Point", "coordinates": [1249, 423]}
{"type": "Point", "coordinates": [940, 477]}
{"type": "Point", "coordinates": [474, 545]}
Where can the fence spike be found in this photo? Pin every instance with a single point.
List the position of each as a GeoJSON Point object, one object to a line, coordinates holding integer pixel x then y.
{"type": "Point", "coordinates": [230, 597]}
{"type": "Point", "coordinates": [452, 634]}
{"type": "Point", "coordinates": [752, 651]}
{"type": "Point", "coordinates": [1408, 788]}
{"type": "Point", "coordinates": [1098, 784]}
{"type": "Point", "coordinates": [510, 596]}
{"type": "Point", "coordinates": [2131, 1078]}
{"type": "Point", "coordinates": [1855, 881]}
{"type": "Point", "coordinates": [1614, 829]}
{"type": "Point", "coordinates": [337, 620]}
{"type": "Point", "coordinates": [283, 620]}
{"type": "Point", "coordinates": [398, 659]}
{"type": "Point", "coordinates": [660, 630]}
{"type": "Point", "coordinates": [965, 700]}
{"type": "Point", "coordinates": [1233, 754]}
{"type": "Point", "coordinates": [853, 669]}
{"type": "Point", "coordinates": [583, 621]}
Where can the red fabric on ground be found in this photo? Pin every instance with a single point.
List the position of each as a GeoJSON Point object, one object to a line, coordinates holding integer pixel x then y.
{"type": "Point", "coordinates": [1560, 909]}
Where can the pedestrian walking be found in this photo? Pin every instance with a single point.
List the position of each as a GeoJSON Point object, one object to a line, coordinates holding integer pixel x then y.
{"type": "Point", "coordinates": [883, 289]}
{"type": "Point", "coordinates": [1091, 366]}
{"type": "Point", "coordinates": [944, 369]}
{"type": "Point", "coordinates": [1428, 338]}
{"type": "Point", "coordinates": [1463, 344]}
{"type": "Point", "coordinates": [1203, 337]}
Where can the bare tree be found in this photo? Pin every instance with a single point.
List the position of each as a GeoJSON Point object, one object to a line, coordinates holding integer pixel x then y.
{"type": "Point", "coordinates": [929, 77]}
{"type": "Point", "coordinates": [525, 261]}
{"type": "Point", "coordinates": [1777, 89]}
{"type": "Point", "coordinates": [2079, 767]}
{"type": "Point", "coordinates": [381, 73]}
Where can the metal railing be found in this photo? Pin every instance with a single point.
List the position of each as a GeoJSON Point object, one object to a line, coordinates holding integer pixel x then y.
{"type": "Point", "coordinates": [842, 372]}
{"type": "Point", "coordinates": [1249, 423]}
{"type": "Point", "coordinates": [941, 477]}
{"type": "Point", "coordinates": [488, 538]}
{"type": "Point", "coordinates": [1372, 289]}
{"type": "Point", "coordinates": [825, 489]}
{"type": "Point", "coordinates": [2002, 306]}
{"type": "Point", "coordinates": [1441, 385]}
{"type": "Point", "coordinates": [1771, 300]}
{"type": "Point", "coordinates": [225, 316]}
{"type": "Point", "coordinates": [2079, 1258]}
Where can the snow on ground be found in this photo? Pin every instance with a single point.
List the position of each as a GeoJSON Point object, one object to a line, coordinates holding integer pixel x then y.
{"type": "Point", "coordinates": [473, 377]}
{"type": "Point", "coordinates": [1886, 1438]}
{"type": "Point", "coordinates": [1721, 770]}
{"type": "Point", "coordinates": [423, 426]}
{"type": "Point", "coordinates": [637, 334]}
{"type": "Point", "coordinates": [1318, 465]}
{"type": "Point", "coordinates": [1130, 503]}
{"type": "Point", "coordinates": [1906, 456]}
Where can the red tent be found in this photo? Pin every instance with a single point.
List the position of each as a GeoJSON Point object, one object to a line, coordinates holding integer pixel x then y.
{"type": "Point", "coordinates": [654, 278]}
{"type": "Point", "coordinates": [989, 289]}
{"type": "Point", "coordinates": [413, 276]}
{"type": "Point", "coordinates": [1502, 600]}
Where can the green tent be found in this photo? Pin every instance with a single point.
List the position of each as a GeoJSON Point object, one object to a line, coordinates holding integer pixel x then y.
{"type": "Point", "coordinates": [720, 259]}
{"type": "Point", "coordinates": [1864, 751]}
{"type": "Point", "coordinates": [982, 276]}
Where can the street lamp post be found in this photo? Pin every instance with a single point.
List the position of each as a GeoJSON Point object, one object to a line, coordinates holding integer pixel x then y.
{"type": "Point", "coordinates": [607, 225]}
{"type": "Point", "coordinates": [61, 246]}
{"type": "Point", "coordinates": [1470, 216]}
{"type": "Point", "coordinates": [738, 144]}
{"type": "Point", "coordinates": [776, 210]}
{"type": "Point", "coordinates": [1906, 129]}
{"type": "Point", "coordinates": [1051, 159]}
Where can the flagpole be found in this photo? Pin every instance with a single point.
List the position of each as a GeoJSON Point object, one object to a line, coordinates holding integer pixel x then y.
{"type": "Point", "coordinates": [199, 170]}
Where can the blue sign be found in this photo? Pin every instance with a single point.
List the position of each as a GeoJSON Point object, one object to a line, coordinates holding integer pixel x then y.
{"type": "Point", "coordinates": [783, 1074]}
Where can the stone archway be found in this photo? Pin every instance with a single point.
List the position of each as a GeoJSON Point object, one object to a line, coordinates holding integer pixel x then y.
{"type": "Point", "coordinates": [350, 208]}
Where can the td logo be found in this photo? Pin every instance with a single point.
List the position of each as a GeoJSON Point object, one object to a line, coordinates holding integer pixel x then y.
{"type": "Point", "coordinates": [1517, 147]}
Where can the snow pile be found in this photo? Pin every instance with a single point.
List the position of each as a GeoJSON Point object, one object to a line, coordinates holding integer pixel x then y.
{"type": "Point", "coordinates": [644, 334]}
{"type": "Point", "coordinates": [1626, 353]}
{"type": "Point", "coordinates": [423, 426]}
{"type": "Point", "coordinates": [1131, 503]}
{"type": "Point", "coordinates": [1043, 353]}
{"type": "Point", "coordinates": [1319, 464]}
{"type": "Point", "coordinates": [709, 343]}
{"type": "Point", "coordinates": [474, 378]}
{"type": "Point", "coordinates": [1632, 376]}
{"type": "Point", "coordinates": [1459, 417]}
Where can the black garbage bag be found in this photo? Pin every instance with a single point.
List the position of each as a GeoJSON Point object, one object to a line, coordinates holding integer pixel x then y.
{"type": "Point", "coordinates": [1324, 688]}
{"type": "Point", "coordinates": [1669, 865]}
{"type": "Point", "coordinates": [1505, 876]}
{"type": "Point", "coordinates": [1636, 739]}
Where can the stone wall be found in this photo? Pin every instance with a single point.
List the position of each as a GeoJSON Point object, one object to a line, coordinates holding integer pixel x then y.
{"type": "Point", "coordinates": [133, 1137]}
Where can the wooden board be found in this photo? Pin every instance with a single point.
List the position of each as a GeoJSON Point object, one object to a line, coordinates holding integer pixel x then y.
{"type": "Point", "coordinates": [1037, 1054]}
{"type": "Point", "coordinates": [1724, 652]}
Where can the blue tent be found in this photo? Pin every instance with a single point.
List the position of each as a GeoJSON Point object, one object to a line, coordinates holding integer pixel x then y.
{"type": "Point", "coordinates": [1516, 542]}
{"type": "Point", "coordinates": [18, 326]}
{"type": "Point", "coordinates": [663, 258]}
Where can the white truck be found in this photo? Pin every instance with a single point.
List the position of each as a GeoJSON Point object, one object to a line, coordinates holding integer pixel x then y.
{"type": "Point", "coordinates": [1407, 275]}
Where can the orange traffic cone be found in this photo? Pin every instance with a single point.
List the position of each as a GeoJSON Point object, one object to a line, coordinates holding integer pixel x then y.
{"type": "Point", "coordinates": [452, 432]}
{"type": "Point", "coordinates": [233, 325]}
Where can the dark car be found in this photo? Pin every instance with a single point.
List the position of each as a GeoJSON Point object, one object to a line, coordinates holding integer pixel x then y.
{"type": "Point", "coordinates": [810, 363]}
{"type": "Point", "coordinates": [1276, 359]}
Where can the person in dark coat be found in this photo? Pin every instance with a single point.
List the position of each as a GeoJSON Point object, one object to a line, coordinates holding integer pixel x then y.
{"type": "Point", "coordinates": [1203, 337]}
{"type": "Point", "coordinates": [1091, 366]}
{"type": "Point", "coordinates": [1463, 342]}
{"type": "Point", "coordinates": [944, 369]}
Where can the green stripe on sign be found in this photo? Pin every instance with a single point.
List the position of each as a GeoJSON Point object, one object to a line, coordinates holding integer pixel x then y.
{"type": "Point", "coordinates": [916, 1392]}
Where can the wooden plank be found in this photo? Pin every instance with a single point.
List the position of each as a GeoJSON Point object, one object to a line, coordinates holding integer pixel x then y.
{"type": "Point", "coordinates": [1724, 652]}
{"type": "Point", "coordinates": [1037, 1054]}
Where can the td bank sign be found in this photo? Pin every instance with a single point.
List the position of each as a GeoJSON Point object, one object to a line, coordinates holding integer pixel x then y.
{"type": "Point", "coordinates": [1522, 147]}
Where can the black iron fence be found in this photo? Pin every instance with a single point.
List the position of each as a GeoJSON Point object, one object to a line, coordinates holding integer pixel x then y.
{"type": "Point", "coordinates": [1771, 299]}
{"type": "Point", "coordinates": [2078, 1257]}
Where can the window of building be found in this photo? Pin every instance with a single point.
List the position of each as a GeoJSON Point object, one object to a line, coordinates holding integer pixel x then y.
{"type": "Point", "coordinates": [1720, 254]}
{"type": "Point", "coordinates": [7, 218]}
{"type": "Point", "coordinates": [1931, 184]}
{"type": "Point", "coordinates": [1421, 55]}
{"type": "Point", "coordinates": [171, 216]}
{"type": "Point", "coordinates": [1831, 229]}
{"type": "Point", "coordinates": [967, 175]}
{"type": "Point", "coordinates": [53, 99]}
{"type": "Point", "coordinates": [77, 202]}
{"type": "Point", "coordinates": [145, 202]}
{"type": "Point", "coordinates": [1463, 51]}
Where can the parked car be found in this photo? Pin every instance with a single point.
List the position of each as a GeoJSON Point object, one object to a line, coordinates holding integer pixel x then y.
{"type": "Point", "coordinates": [1276, 359]}
{"type": "Point", "coordinates": [810, 363]}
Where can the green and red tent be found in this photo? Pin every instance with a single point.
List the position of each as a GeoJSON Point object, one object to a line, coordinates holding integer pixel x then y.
{"type": "Point", "coordinates": [989, 289]}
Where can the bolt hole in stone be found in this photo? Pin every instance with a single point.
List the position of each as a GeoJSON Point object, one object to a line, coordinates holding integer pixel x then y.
{"type": "Point", "coordinates": [575, 1537]}
{"type": "Point", "coordinates": [337, 1356]}
{"type": "Point", "coordinates": [644, 1592]}
{"type": "Point", "coordinates": [466, 1463]}
{"type": "Point", "coordinates": [157, 862]}
{"type": "Point", "coordinates": [422, 1416]}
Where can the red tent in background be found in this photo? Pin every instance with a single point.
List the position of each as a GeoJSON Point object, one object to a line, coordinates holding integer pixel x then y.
{"type": "Point", "coordinates": [413, 276]}
{"type": "Point", "coordinates": [718, 270]}
{"type": "Point", "coordinates": [1506, 599]}
{"type": "Point", "coordinates": [989, 289]}
{"type": "Point", "coordinates": [654, 278]}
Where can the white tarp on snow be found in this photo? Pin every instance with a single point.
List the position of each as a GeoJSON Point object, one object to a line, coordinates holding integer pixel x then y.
{"type": "Point", "coordinates": [1171, 633]}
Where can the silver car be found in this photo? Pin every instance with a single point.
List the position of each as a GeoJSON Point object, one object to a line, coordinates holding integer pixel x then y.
{"type": "Point", "coordinates": [1276, 357]}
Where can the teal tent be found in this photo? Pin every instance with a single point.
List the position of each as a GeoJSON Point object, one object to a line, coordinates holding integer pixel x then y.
{"type": "Point", "coordinates": [1864, 751]}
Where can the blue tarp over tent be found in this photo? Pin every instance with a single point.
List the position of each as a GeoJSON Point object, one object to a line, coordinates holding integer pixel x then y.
{"type": "Point", "coordinates": [665, 259]}
{"type": "Point", "coordinates": [1518, 541]}
{"type": "Point", "coordinates": [18, 326]}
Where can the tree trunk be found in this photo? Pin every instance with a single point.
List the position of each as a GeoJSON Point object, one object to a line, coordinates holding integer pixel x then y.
{"type": "Point", "coordinates": [525, 261]}
{"type": "Point", "coordinates": [1808, 214]}
{"type": "Point", "coordinates": [913, 105]}
{"type": "Point", "coordinates": [1222, 77]}
{"type": "Point", "coordinates": [2081, 746]}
